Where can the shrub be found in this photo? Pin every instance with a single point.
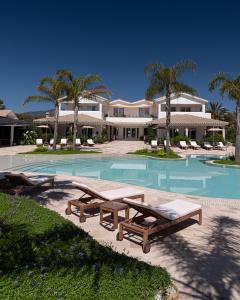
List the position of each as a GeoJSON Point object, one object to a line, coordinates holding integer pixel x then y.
{"type": "Point", "coordinates": [41, 149]}
{"type": "Point", "coordinates": [29, 137]}
{"type": "Point", "coordinates": [150, 134]}
{"type": "Point", "coordinates": [216, 137]}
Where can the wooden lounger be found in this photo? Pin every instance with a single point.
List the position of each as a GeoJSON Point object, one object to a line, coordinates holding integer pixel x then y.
{"type": "Point", "coordinates": [166, 215]}
{"type": "Point", "coordinates": [90, 198]}
{"type": "Point", "coordinates": [22, 183]}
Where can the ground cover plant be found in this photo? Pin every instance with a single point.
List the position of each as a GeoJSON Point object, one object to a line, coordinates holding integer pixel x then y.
{"type": "Point", "coordinates": [44, 256]}
{"type": "Point", "coordinates": [156, 153]}
{"type": "Point", "coordinates": [45, 150]}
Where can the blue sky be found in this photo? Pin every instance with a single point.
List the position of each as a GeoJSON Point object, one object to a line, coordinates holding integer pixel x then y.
{"type": "Point", "coordinates": [115, 39]}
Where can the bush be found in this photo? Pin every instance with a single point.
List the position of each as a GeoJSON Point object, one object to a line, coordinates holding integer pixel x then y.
{"type": "Point", "coordinates": [150, 135]}
{"type": "Point", "coordinates": [217, 138]}
{"type": "Point", "coordinates": [41, 149]}
{"type": "Point", "coordinates": [29, 137]}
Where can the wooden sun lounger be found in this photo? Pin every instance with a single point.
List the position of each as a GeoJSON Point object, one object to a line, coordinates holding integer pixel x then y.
{"type": "Point", "coordinates": [166, 215]}
{"type": "Point", "coordinates": [22, 183]}
{"type": "Point", "coordinates": [90, 198]}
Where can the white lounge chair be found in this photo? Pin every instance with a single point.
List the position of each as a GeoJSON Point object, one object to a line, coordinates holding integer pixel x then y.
{"type": "Point", "coordinates": [63, 142]}
{"type": "Point", "coordinates": [166, 215]}
{"type": "Point", "coordinates": [220, 146]}
{"type": "Point", "coordinates": [51, 142]}
{"type": "Point", "coordinates": [90, 142]}
{"type": "Point", "coordinates": [154, 144]}
{"type": "Point", "coordinates": [78, 142]}
{"type": "Point", "coordinates": [194, 145]}
{"type": "Point", "coordinates": [183, 145]}
{"type": "Point", "coordinates": [39, 142]}
{"type": "Point", "coordinates": [165, 144]}
{"type": "Point", "coordinates": [207, 146]}
{"type": "Point", "coordinates": [91, 201]}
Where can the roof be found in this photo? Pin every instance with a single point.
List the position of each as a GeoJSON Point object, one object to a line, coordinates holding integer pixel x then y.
{"type": "Point", "coordinates": [82, 120]}
{"type": "Point", "coordinates": [7, 113]}
{"type": "Point", "coordinates": [183, 95]}
{"type": "Point", "coordinates": [14, 122]}
{"type": "Point", "coordinates": [134, 104]}
{"type": "Point", "coordinates": [188, 120]}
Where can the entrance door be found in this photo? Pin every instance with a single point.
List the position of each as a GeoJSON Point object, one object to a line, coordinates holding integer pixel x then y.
{"type": "Point", "coordinates": [131, 133]}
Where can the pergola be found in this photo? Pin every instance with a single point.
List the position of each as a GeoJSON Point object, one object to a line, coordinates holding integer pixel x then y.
{"type": "Point", "coordinates": [12, 124]}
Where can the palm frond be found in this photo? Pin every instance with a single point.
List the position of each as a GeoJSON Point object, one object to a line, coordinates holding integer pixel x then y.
{"type": "Point", "coordinates": [179, 87]}
{"type": "Point", "coordinates": [182, 66]}
{"type": "Point", "coordinates": [217, 80]}
{"type": "Point", "coordinates": [47, 80]}
{"type": "Point", "coordinates": [150, 69]}
{"type": "Point", "coordinates": [37, 98]}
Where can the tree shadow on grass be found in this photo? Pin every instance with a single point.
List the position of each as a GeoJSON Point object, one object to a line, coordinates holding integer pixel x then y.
{"type": "Point", "coordinates": [211, 273]}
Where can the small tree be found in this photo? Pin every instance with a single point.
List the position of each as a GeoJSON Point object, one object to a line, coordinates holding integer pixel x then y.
{"type": "Point", "coordinates": [2, 105]}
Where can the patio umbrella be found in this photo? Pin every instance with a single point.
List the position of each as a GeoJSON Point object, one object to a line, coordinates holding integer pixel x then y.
{"type": "Point", "coordinates": [213, 130]}
{"type": "Point", "coordinates": [44, 126]}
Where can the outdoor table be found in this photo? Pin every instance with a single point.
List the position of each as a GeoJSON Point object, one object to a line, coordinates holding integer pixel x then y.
{"type": "Point", "coordinates": [113, 207]}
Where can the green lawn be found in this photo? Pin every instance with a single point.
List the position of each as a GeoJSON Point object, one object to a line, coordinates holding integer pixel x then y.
{"type": "Point", "coordinates": [226, 162]}
{"type": "Point", "coordinates": [63, 152]}
{"type": "Point", "coordinates": [44, 256]}
{"type": "Point", "coordinates": [156, 153]}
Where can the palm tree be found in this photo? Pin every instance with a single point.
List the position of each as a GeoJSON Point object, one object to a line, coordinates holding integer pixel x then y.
{"type": "Point", "coordinates": [53, 89]}
{"type": "Point", "coordinates": [82, 87]}
{"type": "Point", "coordinates": [2, 105]}
{"type": "Point", "coordinates": [164, 80]}
{"type": "Point", "coordinates": [217, 110]}
{"type": "Point", "coordinates": [231, 88]}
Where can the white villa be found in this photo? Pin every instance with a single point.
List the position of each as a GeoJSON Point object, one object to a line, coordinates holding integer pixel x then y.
{"type": "Point", "coordinates": [126, 120]}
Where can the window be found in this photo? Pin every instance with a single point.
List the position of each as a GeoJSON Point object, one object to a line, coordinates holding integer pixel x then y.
{"type": "Point", "coordinates": [173, 108]}
{"type": "Point", "coordinates": [144, 112]}
{"type": "Point", "coordinates": [185, 109]}
{"type": "Point", "coordinates": [118, 112]}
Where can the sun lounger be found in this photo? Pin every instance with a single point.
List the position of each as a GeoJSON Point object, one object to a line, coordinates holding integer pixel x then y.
{"type": "Point", "coordinates": [78, 142]}
{"type": "Point", "coordinates": [183, 145]}
{"type": "Point", "coordinates": [22, 183]}
{"type": "Point", "coordinates": [90, 198]}
{"type": "Point", "coordinates": [194, 145]}
{"type": "Point", "coordinates": [63, 142]}
{"type": "Point", "coordinates": [154, 144]}
{"type": "Point", "coordinates": [39, 142]}
{"type": "Point", "coordinates": [165, 144]}
{"type": "Point", "coordinates": [90, 142]}
{"type": "Point", "coordinates": [51, 142]}
{"type": "Point", "coordinates": [220, 146]}
{"type": "Point", "coordinates": [207, 146]}
{"type": "Point", "coordinates": [165, 215]}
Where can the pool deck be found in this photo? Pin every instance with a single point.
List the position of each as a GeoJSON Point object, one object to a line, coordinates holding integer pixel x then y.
{"type": "Point", "coordinates": [204, 261]}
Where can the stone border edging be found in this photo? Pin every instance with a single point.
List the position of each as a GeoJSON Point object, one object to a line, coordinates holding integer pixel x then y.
{"type": "Point", "coordinates": [212, 163]}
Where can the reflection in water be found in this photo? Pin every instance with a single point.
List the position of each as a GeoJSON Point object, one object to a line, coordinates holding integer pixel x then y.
{"type": "Point", "coordinates": [191, 176]}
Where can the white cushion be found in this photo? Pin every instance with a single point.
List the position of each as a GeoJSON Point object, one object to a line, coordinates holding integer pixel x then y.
{"type": "Point", "coordinates": [51, 142]}
{"type": "Point", "coordinates": [78, 141]}
{"type": "Point", "coordinates": [39, 178]}
{"type": "Point", "coordinates": [84, 186]}
{"type": "Point", "coordinates": [90, 141]}
{"type": "Point", "coordinates": [154, 143]}
{"type": "Point", "coordinates": [121, 193]}
{"type": "Point", "coordinates": [171, 210]}
{"type": "Point", "coordinates": [176, 209]}
{"type": "Point", "coordinates": [63, 141]}
{"type": "Point", "coordinates": [39, 141]}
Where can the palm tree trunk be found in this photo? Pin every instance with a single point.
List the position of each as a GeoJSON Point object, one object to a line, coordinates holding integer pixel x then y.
{"type": "Point", "coordinates": [55, 135]}
{"type": "Point", "coordinates": [168, 122]}
{"type": "Point", "coordinates": [75, 125]}
{"type": "Point", "coordinates": [237, 148]}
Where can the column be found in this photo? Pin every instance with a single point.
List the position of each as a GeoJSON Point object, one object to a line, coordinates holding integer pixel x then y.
{"type": "Point", "coordinates": [203, 108]}
{"type": "Point", "coordinates": [186, 132]}
{"type": "Point", "coordinates": [223, 133]}
{"type": "Point", "coordinates": [100, 108]}
{"type": "Point", "coordinates": [159, 110]}
{"type": "Point", "coordinates": [11, 135]}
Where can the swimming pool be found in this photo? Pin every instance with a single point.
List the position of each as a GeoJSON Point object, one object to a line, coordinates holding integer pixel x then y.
{"type": "Point", "coordinates": [191, 176]}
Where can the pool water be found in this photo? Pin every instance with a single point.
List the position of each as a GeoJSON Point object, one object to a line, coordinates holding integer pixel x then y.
{"type": "Point", "coordinates": [191, 176]}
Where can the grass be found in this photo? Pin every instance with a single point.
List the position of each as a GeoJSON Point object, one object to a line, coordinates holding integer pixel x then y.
{"type": "Point", "coordinates": [227, 162]}
{"type": "Point", "coordinates": [63, 151]}
{"type": "Point", "coordinates": [156, 153]}
{"type": "Point", "coordinates": [43, 256]}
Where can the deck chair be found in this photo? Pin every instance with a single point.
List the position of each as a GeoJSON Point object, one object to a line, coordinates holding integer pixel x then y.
{"type": "Point", "coordinates": [194, 145]}
{"type": "Point", "coordinates": [154, 144]}
{"type": "Point", "coordinates": [63, 142]}
{"type": "Point", "coordinates": [183, 145]}
{"type": "Point", "coordinates": [90, 142]}
{"type": "Point", "coordinates": [39, 142]}
{"type": "Point", "coordinates": [78, 142]}
{"type": "Point", "coordinates": [220, 146]}
{"type": "Point", "coordinates": [51, 142]}
{"type": "Point", "coordinates": [165, 216]}
{"type": "Point", "coordinates": [91, 199]}
{"type": "Point", "coordinates": [207, 146]}
{"type": "Point", "coordinates": [22, 183]}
